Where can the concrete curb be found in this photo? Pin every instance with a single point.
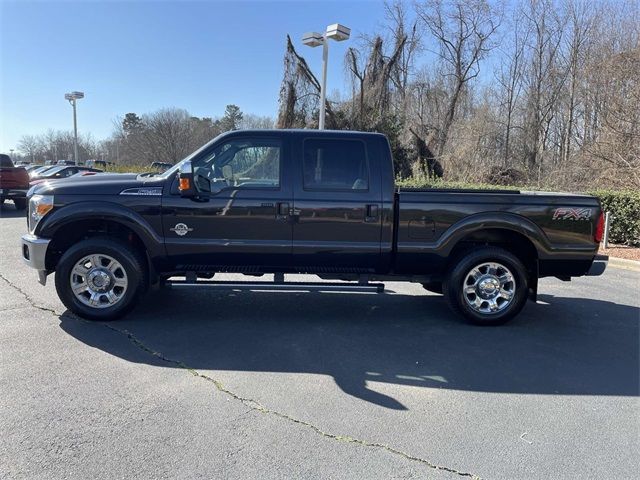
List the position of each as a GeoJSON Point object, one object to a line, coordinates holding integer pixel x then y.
{"type": "Point", "coordinates": [625, 264]}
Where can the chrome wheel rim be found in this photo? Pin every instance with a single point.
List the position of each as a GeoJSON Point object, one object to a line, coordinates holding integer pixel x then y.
{"type": "Point", "coordinates": [98, 281]}
{"type": "Point", "coordinates": [489, 288]}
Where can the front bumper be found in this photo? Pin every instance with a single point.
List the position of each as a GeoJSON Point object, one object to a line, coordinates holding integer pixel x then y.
{"type": "Point", "coordinates": [598, 266]}
{"type": "Point", "coordinates": [34, 254]}
{"type": "Point", "coordinates": [10, 193]}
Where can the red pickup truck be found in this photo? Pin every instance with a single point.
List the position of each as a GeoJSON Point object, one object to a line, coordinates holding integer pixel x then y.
{"type": "Point", "coordinates": [14, 183]}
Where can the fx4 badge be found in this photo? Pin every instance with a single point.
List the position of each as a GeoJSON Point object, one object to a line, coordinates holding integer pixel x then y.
{"type": "Point", "coordinates": [181, 229]}
{"type": "Point", "coordinates": [572, 214]}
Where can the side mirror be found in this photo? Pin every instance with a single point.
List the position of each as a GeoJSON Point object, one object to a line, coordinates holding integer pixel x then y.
{"type": "Point", "coordinates": [186, 185]}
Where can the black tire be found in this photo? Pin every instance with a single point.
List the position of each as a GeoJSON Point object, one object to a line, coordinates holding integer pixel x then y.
{"type": "Point", "coordinates": [130, 261]}
{"type": "Point", "coordinates": [459, 301]}
{"type": "Point", "coordinates": [20, 203]}
{"type": "Point", "coordinates": [433, 287]}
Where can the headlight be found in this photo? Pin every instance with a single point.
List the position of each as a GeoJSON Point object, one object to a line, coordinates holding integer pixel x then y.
{"type": "Point", "coordinates": [39, 206]}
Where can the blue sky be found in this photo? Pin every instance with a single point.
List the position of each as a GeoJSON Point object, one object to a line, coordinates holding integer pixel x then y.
{"type": "Point", "coordinates": [144, 55]}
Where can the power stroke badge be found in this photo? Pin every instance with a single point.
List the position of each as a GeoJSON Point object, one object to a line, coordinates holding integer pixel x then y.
{"type": "Point", "coordinates": [181, 229]}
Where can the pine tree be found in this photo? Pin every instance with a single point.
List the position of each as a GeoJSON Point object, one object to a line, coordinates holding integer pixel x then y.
{"type": "Point", "coordinates": [231, 119]}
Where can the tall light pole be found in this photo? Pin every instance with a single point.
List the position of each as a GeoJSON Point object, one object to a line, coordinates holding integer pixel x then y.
{"type": "Point", "coordinates": [73, 97]}
{"type": "Point", "coordinates": [335, 32]}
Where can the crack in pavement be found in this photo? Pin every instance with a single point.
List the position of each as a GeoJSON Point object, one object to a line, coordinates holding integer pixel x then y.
{"type": "Point", "coordinates": [257, 406]}
{"type": "Point", "coordinates": [26, 296]}
{"type": "Point", "coordinates": [249, 402]}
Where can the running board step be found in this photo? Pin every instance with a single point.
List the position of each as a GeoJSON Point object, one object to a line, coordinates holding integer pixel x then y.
{"type": "Point", "coordinates": [281, 286]}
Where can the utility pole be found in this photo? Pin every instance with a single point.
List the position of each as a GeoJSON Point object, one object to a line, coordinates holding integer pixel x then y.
{"type": "Point", "coordinates": [335, 32]}
{"type": "Point", "coordinates": [72, 98]}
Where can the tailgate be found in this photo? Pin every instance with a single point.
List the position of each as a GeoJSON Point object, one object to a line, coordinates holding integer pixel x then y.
{"type": "Point", "coordinates": [16, 177]}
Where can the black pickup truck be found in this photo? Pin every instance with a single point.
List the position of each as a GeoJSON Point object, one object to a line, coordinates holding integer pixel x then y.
{"type": "Point", "coordinates": [303, 201]}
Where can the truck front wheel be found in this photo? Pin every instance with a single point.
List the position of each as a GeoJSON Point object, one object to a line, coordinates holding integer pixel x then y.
{"type": "Point", "coordinates": [100, 278]}
{"type": "Point", "coordinates": [487, 286]}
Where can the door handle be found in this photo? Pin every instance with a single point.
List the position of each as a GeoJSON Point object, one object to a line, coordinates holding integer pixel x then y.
{"type": "Point", "coordinates": [371, 214]}
{"type": "Point", "coordinates": [282, 210]}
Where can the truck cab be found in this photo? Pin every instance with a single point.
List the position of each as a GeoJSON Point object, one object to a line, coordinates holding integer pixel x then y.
{"type": "Point", "coordinates": [300, 202]}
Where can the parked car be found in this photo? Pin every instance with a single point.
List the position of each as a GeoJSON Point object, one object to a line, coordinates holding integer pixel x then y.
{"type": "Point", "coordinates": [99, 164]}
{"type": "Point", "coordinates": [59, 172]}
{"type": "Point", "coordinates": [65, 162]}
{"type": "Point", "coordinates": [34, 173]}
{"type": "Point", "coordinates": [160, 166]}
{"type": "Point", "coordinates": [14, 183]}
{"type": "Point", "coordinates": [303, 201]}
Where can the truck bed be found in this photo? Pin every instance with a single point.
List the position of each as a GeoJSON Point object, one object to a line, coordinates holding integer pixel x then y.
{"type": "Point", "coordinates": [429, 223]}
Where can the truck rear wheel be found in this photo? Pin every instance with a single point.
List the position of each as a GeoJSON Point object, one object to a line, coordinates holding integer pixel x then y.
{"type": "Point", "coordinates": [100, 279]}
{"type": "Point", "coordinates": [487, 286]}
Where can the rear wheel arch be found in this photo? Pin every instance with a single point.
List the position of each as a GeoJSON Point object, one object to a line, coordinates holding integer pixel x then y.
{"type": "Point", "coordinates": [510, 240]}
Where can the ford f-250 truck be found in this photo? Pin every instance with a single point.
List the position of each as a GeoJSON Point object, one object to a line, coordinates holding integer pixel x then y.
{"type": "Point", "coordinates": [302, 201]}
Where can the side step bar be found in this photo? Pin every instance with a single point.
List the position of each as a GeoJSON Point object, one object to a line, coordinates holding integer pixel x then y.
{"type": "Point", "coordinates": [281, 286]}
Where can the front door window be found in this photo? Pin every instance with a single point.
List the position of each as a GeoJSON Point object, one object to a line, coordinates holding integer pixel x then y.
{"type": "Point", "coordinates": [240, 164]}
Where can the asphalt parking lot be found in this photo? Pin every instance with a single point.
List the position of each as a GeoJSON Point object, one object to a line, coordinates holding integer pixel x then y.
{"type": "Point", "coordinates": [210, 384]}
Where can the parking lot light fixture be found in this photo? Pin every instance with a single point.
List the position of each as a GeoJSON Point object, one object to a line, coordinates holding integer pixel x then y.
{"type": "Point", "coordinates": [72, 97]}
{"type": "Point", "coordinates": [335, 32]}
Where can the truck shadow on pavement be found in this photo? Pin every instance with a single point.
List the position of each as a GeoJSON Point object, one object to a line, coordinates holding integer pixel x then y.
{"type": "Point", "coordinates": [560, 346]}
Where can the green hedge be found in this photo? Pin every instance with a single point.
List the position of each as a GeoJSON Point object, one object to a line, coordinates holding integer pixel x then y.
{"type": "Point", "coordinates": [624, 206]}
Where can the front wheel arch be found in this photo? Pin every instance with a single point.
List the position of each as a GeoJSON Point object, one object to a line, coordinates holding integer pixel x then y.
{"type": "Point", "coordinates": [77, 231]}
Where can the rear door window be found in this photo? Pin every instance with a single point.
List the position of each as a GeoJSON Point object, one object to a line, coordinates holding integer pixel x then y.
{"type": "Point", "coordinates": [335, 164]}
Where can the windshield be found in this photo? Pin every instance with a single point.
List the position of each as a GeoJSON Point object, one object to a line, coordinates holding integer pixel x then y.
{"type": "Point", "coordinates": [52, 171]}
{"type": "Point", "coordinates": [40, 170]}
{"type": "Point", "coordinates": [5, 161]}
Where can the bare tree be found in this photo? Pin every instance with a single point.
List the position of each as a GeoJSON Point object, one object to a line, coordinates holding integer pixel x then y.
{"type": "Point", "coordinates": [30, 146]}
{"type": "Point", "coordinates": [299, 93]}
{"type": "Point", "coordinates": [545, 78]}
{"type": "Point", "coordinates": [168, 134]}
{"type": "Point", "coordinates": [463, 31]}
{"type": "Point", "coordinates": [581, 19]}
{"type": "Point", "coordinates": [251, 121]}
{"type": "Point", "coordinates": [510, 79]}
{"type": "Point", "coordinates": [406, 32]}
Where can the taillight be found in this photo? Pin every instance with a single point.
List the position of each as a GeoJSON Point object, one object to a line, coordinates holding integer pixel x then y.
{"type": "Point", "coordinates": [597, 236]}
